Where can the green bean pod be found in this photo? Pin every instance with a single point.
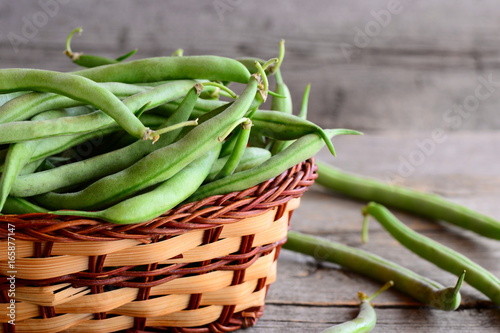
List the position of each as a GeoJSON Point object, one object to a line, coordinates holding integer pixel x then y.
{"type": "Point", "coordinates": [252, 157]}
{"type": "Point", "coordinates": [282, 105]}
{"type": "Point", "coordinates": [31, 130]}
{"type": "Point", "coordinates": [302, 149]}
{"type": "Point", "coordinates": [423, 204]}
{"type": "Point", "coordinates": [76, 87]}
{"type": "Point", "coordinates": [104, 164]}
{"type": "Point", "coordinates": [30, 104]}
{"type": "Point", "coordinates": [151, 204]}
{"type": "Point", "coordinates": [18, 155]}
{"type": "Point", "coordinates": [283, 126]}
{"type": "Point", "coordinates": [213, 68]}
{"type": "Point", "coordinates": [15, 205]}
{"type": "Point", "coordinates": [418, 287]}
{"type": "Point", "coordinates": [4, 98]}
{"type": "Point", "coordinates": [366, 319]}
{"type": "Point", "coordinates": [436, 253]}
{"type": "Point", "coordinates": [157, 166]}
{"type": "Point", "coordinates": [90, 61]}
{"type": "Point", "coordinates": [237, 151]}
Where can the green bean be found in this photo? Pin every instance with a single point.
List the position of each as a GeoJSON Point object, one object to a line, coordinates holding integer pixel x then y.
{"type": "Point", "coordinates": [366, 318]}
{"type": "Point", "coordinates": [252, 157]}
{"type": "Point", "coordinates": [436, 253]}
{"type": "Point", "coordinates": [157, 166]}
{"type": "Point", "coordinates": [420, 203]}
{"type": "Point", "coordinates": [4, 98]}
{"type": "Point", "coordinates": [202, 106]}
{"type": "Point", "coordinates": [89, 61]}
{"type": "Point", "coordinates": [283, 105]}
{"type": "Point", "coordinates": [78, 88]}
{"type": "Point", "coordinates": [15, 205]}
{"type": "Point", "coordinates": [237, 151]}
{"type": "Point", "coordinates": [30, 130]}
{"type": "Point", "coordinates": [100, 165]}
{"type": "Point", "coordinates": [17, 157]}
{"type": "Point", "coordinates": [302, 149]}
{"type": "Point", "coordinates": [305, 102]}
{"type": "Point", "coordinates": [28, 105]}
{"type": "Point", "coordinates": [151, 204]}
{"type": "Point", "coordinates": [213, 68]}
{"type": "Point", "coordinates": [282, 126]}
{"type": "Point", "coordinates": [418, 287]}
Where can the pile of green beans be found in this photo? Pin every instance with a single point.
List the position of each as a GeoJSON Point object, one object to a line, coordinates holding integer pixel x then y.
{"type": "Point", "coordinates": [125, 140]}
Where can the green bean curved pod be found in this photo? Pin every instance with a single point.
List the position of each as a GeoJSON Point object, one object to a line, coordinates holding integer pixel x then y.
{"type": "Point", "coordinates": [31, 130]}
{"type": "Point", "coordinates": [30, 104]}
{"type": "Point", "coordinates": [75, 87]}
{"type": "Point", "coordinates": [90, 61]}
{"type": "Point", "coordinates": [371, 265]}
{"type": "Point", "coordinates": [157, 166]}
{"type": "Point", "coordinates": [237, 151]}
{"type": "Point", "coordinates": [282, 105]}
{"type": "Point", "coordinates": [283, 126]}
{"type": "Point", "coordinates": [252, 157]}
{"type": "Point", "coordinates": [423, 204]}
{"type": "Point", "coordinates": [213, 68]}
{"type": "Point", "coordinates": [278, 103]}
{"type": "Point", "coordinates": [302, 149]}
{"type": "Point", "coordinates": [15, 205]}
{"type": "Point", "coordinates": [4, 98]}
{"type": "Point", "coordinates": [149, 205]}
{"type": "Point", "coordinates": [18, 155]}
{"type": "Point", "coordinates": [104, 164]}
{"type": "Point", "coordinates": [436, 253]}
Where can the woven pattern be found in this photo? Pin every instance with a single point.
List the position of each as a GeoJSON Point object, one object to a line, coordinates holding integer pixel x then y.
{"type": "Point", "coordinates": [201, 267]}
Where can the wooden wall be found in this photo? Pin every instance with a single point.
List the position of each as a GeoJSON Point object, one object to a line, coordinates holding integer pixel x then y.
{"type": "Point", "coordinates": [373, 65]}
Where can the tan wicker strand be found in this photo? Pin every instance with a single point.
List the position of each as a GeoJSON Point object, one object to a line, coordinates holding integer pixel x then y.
{"type": "Point", "coordinates": [204, 266]}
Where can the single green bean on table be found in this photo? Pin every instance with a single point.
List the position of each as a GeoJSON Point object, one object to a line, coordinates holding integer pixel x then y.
{"type": "Point", "coordinates": [302, 149]}
{"type": "Point", "coordinates": [366, 319]}
{"type": "Point", "coordinates": [167, 195]}
{"type": "Point", "coordinates": [75, 87]}
{"type": "Point", "coordinates": [436, 253]}
{"type": "Point", "coordinates": [104, 164]}
{"type": "Point", "coordinates": [420, 203]}
{"type": "Point", "coordinates": [157, 166]}
{"type": "Point", "coordinates": [30, 104]}
{"type": "Point", "coordinates": [418, 287]}
{"type": "Point", "coordinates": [30, 130]}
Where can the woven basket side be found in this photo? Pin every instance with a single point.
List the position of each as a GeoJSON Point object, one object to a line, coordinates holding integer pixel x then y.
{"type": "Point", "coordinates": [201, 267]}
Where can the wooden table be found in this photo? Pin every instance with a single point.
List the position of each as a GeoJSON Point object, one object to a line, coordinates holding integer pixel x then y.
{"type": "Point", "coordinates": [310, 296]}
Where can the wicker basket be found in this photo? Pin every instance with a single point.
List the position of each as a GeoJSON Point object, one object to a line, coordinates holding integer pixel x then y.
{"type": "Point", "coordinates": [202, 267]}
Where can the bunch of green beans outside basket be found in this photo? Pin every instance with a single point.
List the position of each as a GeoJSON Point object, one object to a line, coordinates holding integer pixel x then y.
{"type": "Point", "coordinates": [171, 130]}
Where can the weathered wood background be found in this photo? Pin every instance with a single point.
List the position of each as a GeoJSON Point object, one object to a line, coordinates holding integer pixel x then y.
{"type": "Point", "coordinates": [372, 64]}
{"type": "Point", "coordinates": [401, 71]}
